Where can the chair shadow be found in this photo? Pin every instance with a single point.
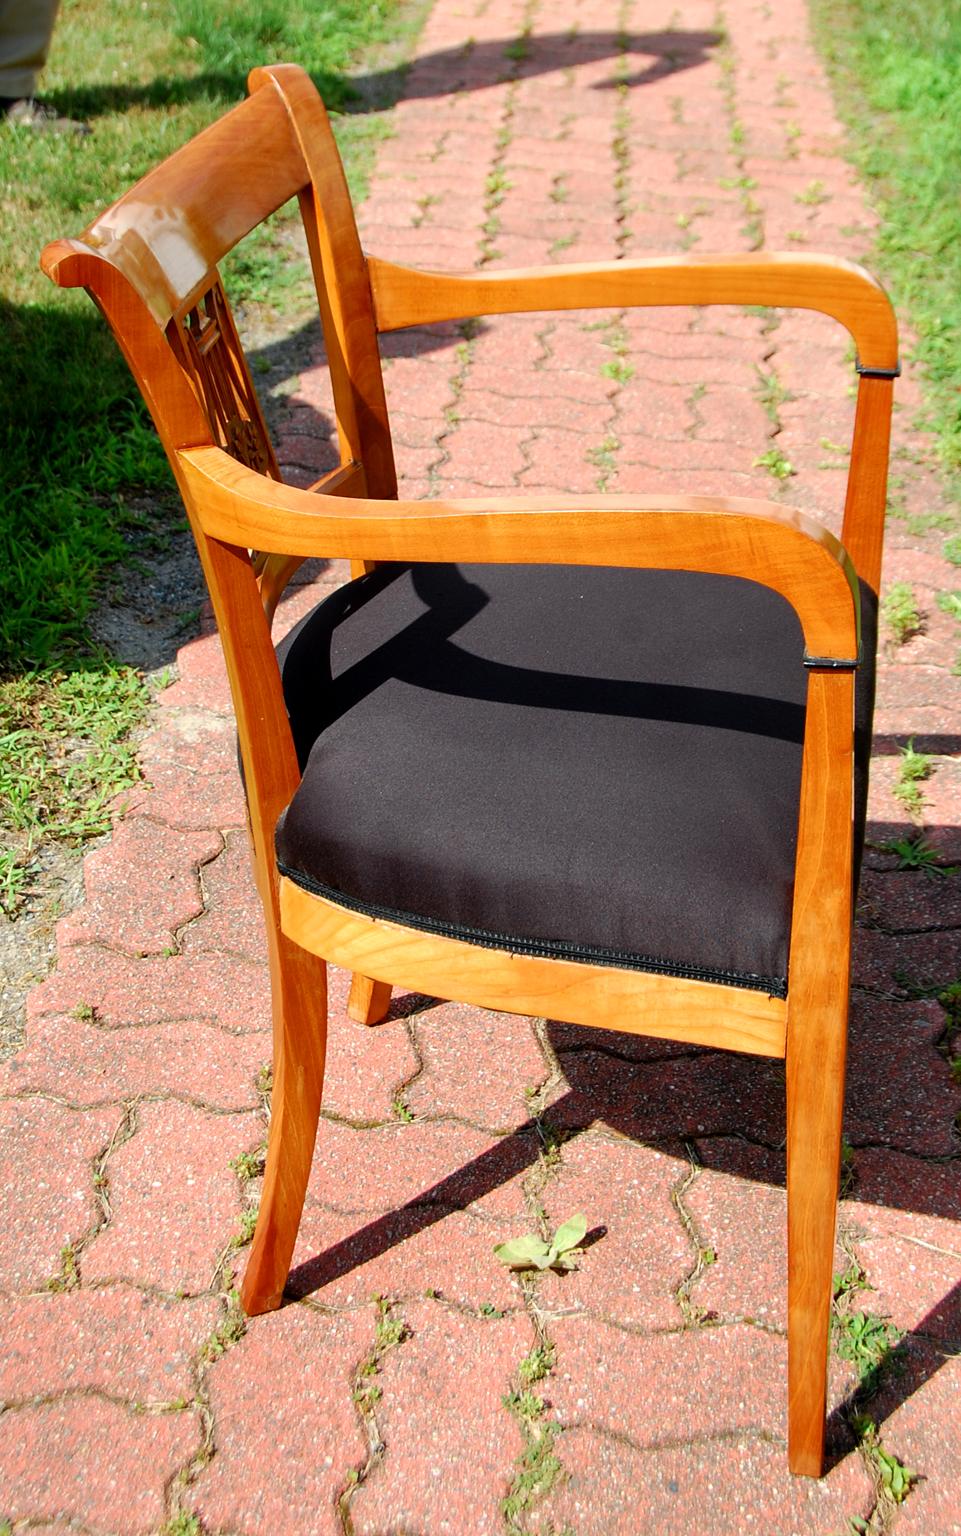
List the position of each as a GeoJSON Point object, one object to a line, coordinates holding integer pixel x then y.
{"type": "Point", "coordinates": [469, 66]}
{"type": "Point", "coordinates": [728, 1111]}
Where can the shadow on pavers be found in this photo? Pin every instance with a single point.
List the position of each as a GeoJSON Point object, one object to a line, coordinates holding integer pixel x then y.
{"type": "Point", "coordinates": [471, 66]}
{"type": "Point", "coordinates": [728, 1111]}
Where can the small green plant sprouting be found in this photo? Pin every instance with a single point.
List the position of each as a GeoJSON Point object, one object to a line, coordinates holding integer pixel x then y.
{"type": "Point", "coordinates": [69, 1277]}
{"type": "Point", "coordinates": [813, 194]}
{"type": "Point", "coordinates": [895, 1478]}
{"type": "Point", "coordinates": [248, 1165]}
{"type": "Point", "coordinates": [775, 463]}
{"type": "Point", "coordinates": [560, 191]}
{"type": "Point", "coordinates": [913, 769]}
{"type": "Point", "coordinates": [867, 1341]}
{"type": "Point", "coordinates": [488, 1309]}
{"type": "Point", "coordinates": [562, 243]}
{"type": "Point", "coordinates": [771, 393]}
{"type": "Point", "coordinates": [229, 1331]}
{"type": "Point", "coordinates": [84, 1013]}
{"type": "Point", "coordinates": [400, 1111]}
{"type": "Point", "coordinates": [538, 1465]}
{"type": "Point", "coordinates": [248, 1222]}
{"type": "Point", "coordinates": [952, 549]}
{"type": "Point", "coordinates": [530, 1252]}
{"type": "Point", "coordinates": [535, 1366]}
{"type": "Point", "coordinates": [918, 853]}
{"type": "Point", "coordinates": [900, 613]}
{"type": "Point", "coordinates": [950, 603]}
{"type": "Point", "coordinates": [183, 1525]}
{"type": "Point", "coordinates": [618, 369]}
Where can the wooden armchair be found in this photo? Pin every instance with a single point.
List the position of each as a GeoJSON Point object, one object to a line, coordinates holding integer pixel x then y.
{"type": "Point", "coordinates": [612, 770]}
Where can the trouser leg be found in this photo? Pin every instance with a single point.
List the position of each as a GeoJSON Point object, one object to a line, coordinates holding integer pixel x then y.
{"type": "Point", "coordinates": [26, 27]}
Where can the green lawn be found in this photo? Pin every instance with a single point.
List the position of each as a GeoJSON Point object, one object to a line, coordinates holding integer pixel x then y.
{"type": "Point", "coordinates": [82, 477]}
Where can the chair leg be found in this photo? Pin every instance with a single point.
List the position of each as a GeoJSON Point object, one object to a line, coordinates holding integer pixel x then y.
{"type": "Point", "coordinates": [299, 987]}
{"type": "Point", "coordinates": [369, 1000]}
{"type": "Point", "coordinates": [815, 1105]}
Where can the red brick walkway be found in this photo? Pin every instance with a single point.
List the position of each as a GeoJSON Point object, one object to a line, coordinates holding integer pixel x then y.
{"type": "Point", "coordinates": [529, 132]}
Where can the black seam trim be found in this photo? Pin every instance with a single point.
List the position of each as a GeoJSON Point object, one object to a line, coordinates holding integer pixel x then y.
{"type": "Point", "coordinates": [552, 949]}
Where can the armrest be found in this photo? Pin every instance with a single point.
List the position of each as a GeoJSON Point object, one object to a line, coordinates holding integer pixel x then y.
{"type": "Point", "coordinates": [404, 296]}
{"type": "Point", "coordinates": [779, 547]}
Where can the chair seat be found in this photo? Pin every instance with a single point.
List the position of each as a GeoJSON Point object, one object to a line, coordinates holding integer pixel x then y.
{"type": "Point", "coordinates": [486, 754]}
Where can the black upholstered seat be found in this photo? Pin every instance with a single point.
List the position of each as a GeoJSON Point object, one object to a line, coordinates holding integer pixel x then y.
{"type": "Point", "coordinates": [600, 764]}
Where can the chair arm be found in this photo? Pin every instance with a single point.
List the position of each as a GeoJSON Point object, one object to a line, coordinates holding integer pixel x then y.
{"type": "Point", "coordinates": [780, 547]}
{"type": "Point", "coordinates": [404, 296]}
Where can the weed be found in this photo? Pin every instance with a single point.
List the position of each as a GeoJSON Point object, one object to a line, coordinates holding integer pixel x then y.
{"type": "Point", "coordinates": [899, 611]}
{"type": "Point", "coordinates": [538, 1465]}
{"type": "Point", "coordinates": [913, 768]}
{"type": "Point", "coordinates": [230, 1329]}
{"type": "Point", "coordinates": [84, 1013]}
{"type": "Point", "coordinates": [771, 393]}
{"type": "Point", "coordinates": [400, 1110]}
{"type": "Point", "coordinates": [530, 1252]}
{"type": "Point", "coordinates": [562, 243]}
{"type": "Point", "coordinates": [488, 1309]}
{"type": "Point", "coordinates": [952, 549]}
{"type": "Point", "coordinates": [619, 370]}
{"type": "Point", "coordinates": [182, 1525]}
{"type": "Point", "coordinates": [918, 853]}
{"type": "Point", "coordinates": [248, 1224]}
{"type": "Point", "coordinates": [814, 194]}
{"type": "Point", "coordinates": [248, 1165]}
{"type": "Point", "coordinates": [535, 1366]}
{"type": "Point", "coordinates": [560, 191]}
{"type": "Point", "coordinates": [604, 459]}
{"type": "Point", "coordinates": [69, 1277]}
{"type": "Point", "coordinates": [894, 1478]}
{"type": "Point", "coordinates": [868, 1342]}
{"type": "Point", "coordinates": [950, 603]}
{"type": "Point", "coordinates": [775, 463]}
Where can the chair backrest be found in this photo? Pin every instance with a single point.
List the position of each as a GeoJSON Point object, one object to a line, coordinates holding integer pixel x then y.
{"type": "Point", "coordinates": [151, 264]}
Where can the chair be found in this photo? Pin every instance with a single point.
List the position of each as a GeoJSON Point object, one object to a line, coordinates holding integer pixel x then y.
{"type": "Point", "coordinates": [641, 804]}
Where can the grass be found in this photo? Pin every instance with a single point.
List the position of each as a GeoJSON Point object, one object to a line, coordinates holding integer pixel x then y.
{"type": "Point", "coordinates": [84, 485]}
{"type": "Point", "coordinates": [897, 68]}
{"type": "Point", "coordinates": [913, 768]}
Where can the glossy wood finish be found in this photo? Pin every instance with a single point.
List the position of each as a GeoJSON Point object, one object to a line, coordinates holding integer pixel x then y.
{"type": "Point", "coordinates": [369, 1000]}
{"type": "Point", "coordinates": [150, 262]}
{"type": "Point", "coordinates": [636, 1002]}
{"type": "Point", "coordinates": [404, 296]}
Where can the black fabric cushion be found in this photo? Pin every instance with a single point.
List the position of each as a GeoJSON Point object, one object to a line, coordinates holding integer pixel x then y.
{"type": "Point", "coordinates": [601, 764]}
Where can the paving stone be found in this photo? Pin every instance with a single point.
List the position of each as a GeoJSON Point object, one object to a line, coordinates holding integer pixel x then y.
{"type": "Point", "coordinates": [913, 1103]}
{"type": "Point", "coordinates": [92, 1461]}
{"type": "Point", "coordinates": [175, 1202]}
{"type": "Point", "coordinates": [121, 991]}
{"type": "Point", "coordinates": [477, 1065]}
{"type": "Point", "coordinates": [285, 1428]}
{"type": "Point", "coordinates": [434, 1163]}
{"type": "Point", "coordinates": [141, 887]}
{"type": "Point", "coordinates": [428, 1434]}
{"type": "Point", "coordinates": [637, 1251]}
{"type": "Point", "coordinates": [366, 1066]}
{"type": "Point", "coordinates": [922, 1432]}
{"type": "Point", "coordinates": [190, 772]}
{"type": "Point", "coordinates": [668, 1387]}
{"type": "Point", "coordinates": [91, 1065]}
{"type": "Point", "coordinates": [112, 1340]}
{"type": "Point", "coordinates": [612, 1488]}
{"type": "Point", "coordinates": [705, 1093]}
{"type": "Point", "coordinates": [46, 1190]}
{"type": "Point", "coordinates": [232, 921]}
{"type": "Point", "coordinates": [342, 1260]}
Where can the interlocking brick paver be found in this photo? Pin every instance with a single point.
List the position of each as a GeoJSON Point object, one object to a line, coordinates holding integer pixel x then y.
{"type": "Point", "coordinates": [47, 1198]}
{"type": "Point", "coordinates": [92, 1461]}
{"type": "Point", "coordinates": [113, 1340]}
{"type": "Point", "coordinates": [141, 887]}
{"type": "Point", "coordinates": [610, 138]}
{"type": "Point", "coordinates": [447, 1466]}
{"type": "Point", "coordinates": [725, 1486]}
{"type": "Point", "coordinates": [477, 1065]}
{"type": "Point", "coordinates": [286, 1431]}
{"type": "Point", "coordinates": [638, 1252]}
{"type": "Point", "coordinates": [121, 990]}
{"type": "Point", "coordinates": [91, 1065]}
{"type": "Point", "coordinates": [175, 1203]}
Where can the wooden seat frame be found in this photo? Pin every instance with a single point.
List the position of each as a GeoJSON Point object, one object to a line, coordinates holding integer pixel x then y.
{"type": "Point", "coordinates": [150, 263]}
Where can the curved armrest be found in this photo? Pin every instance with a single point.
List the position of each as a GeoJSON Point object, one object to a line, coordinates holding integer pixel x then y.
{"type": "Point", "coordinates": [404, 296]}
{"type": "Point", "coordinates": [779, 547]}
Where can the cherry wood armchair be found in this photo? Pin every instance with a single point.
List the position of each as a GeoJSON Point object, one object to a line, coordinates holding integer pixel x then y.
{"type": "Point", "coordinates": [610, 770]}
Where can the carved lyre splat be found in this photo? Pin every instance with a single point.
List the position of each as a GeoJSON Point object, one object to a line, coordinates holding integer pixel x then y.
{"type": "Point", "coordinates": [205, 340]}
